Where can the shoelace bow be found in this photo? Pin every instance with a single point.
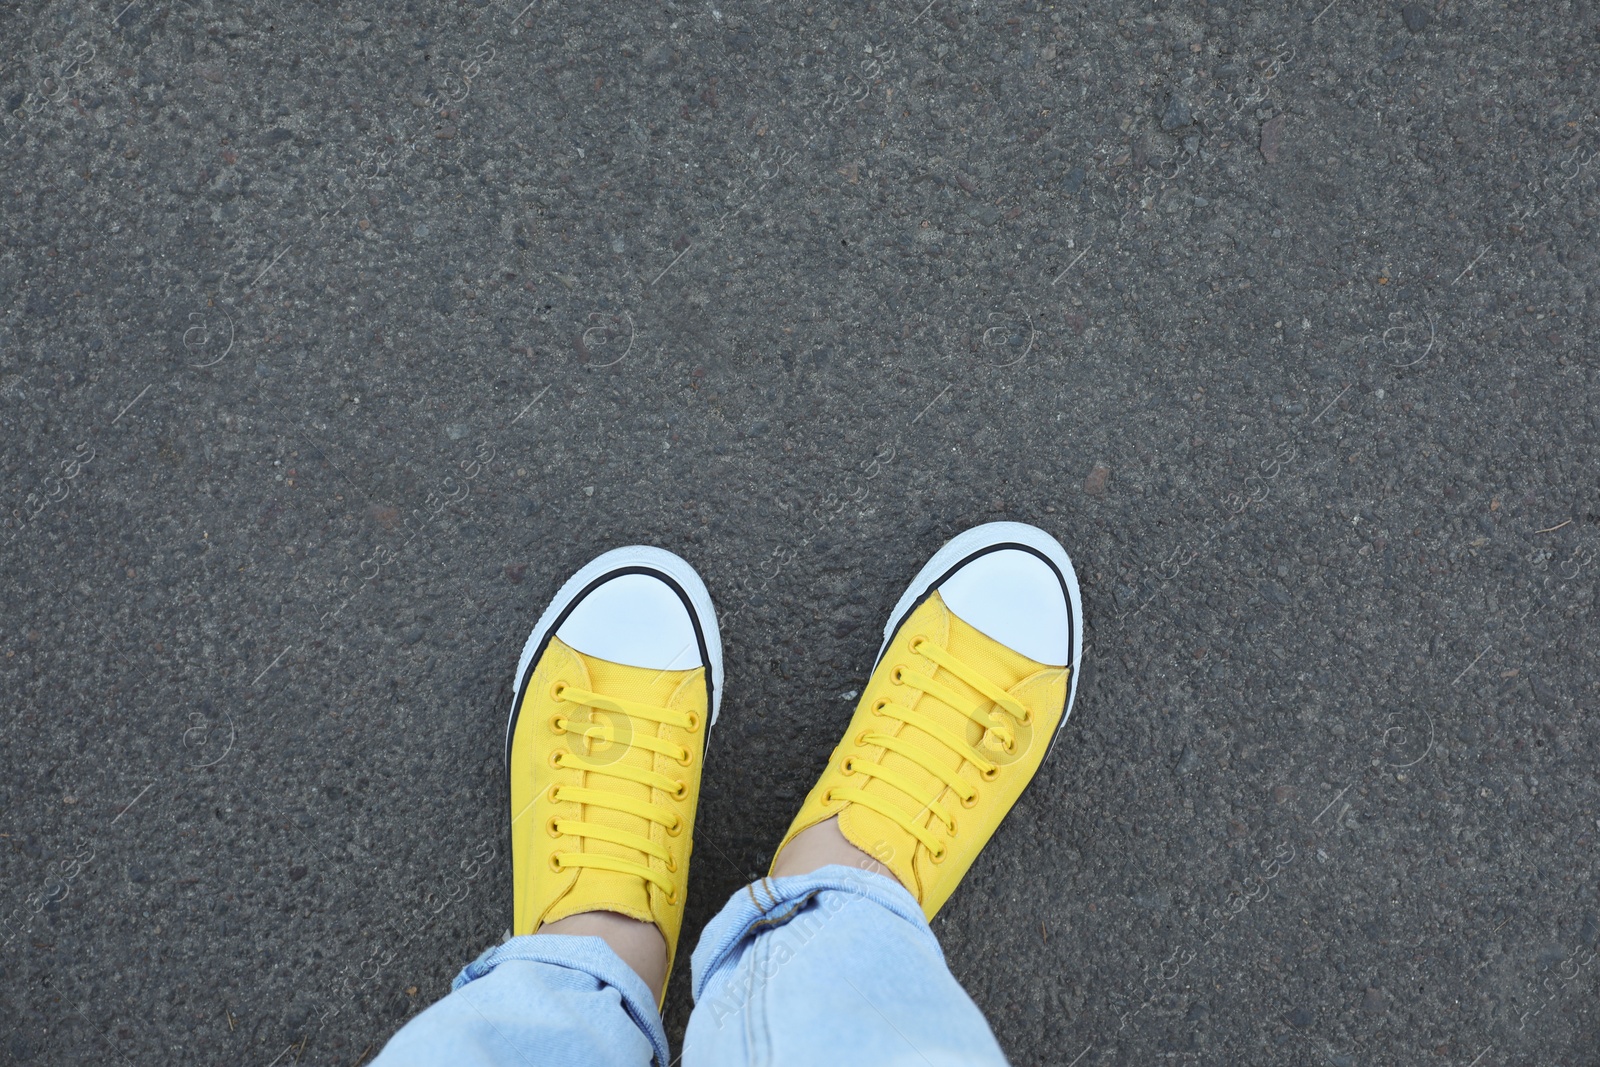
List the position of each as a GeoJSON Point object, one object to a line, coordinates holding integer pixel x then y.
{"type": "Point", "coordinates": [997, 736]}
{"type": "Point", "coordinates": [595, 733]}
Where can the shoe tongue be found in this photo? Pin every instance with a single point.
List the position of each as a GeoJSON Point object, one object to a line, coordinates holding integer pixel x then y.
{"type": "Point", "coordinates": [623, 893]}
{"type": "Point", "coordinates": [881, 837]}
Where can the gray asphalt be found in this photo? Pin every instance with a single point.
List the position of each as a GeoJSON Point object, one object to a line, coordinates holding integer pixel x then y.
{"type": "Point", "coordinates": [336, 336]}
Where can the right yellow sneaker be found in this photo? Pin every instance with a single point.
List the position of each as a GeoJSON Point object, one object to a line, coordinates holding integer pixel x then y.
{"type": "Point", "coordinates": [975, 677]}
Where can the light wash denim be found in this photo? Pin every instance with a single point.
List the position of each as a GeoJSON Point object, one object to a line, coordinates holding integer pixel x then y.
{"type": "Point", "coordinates": [833, 967]}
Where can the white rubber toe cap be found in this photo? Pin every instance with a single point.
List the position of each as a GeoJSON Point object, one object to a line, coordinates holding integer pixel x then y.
{"type": "Point", "coordinates": [634, 619]}
{"type": "Point", "coordinates": [1015, 598]}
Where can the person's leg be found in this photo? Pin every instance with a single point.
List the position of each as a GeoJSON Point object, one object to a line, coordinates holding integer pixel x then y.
{"type": "Point", "coordinates": [837, 965]}
{"type": "Point", "coordinates": [539, 999]}
{"type": "Point", "coordinates": [831, 958]}
{"type": "Point", "coordinates": [616, 691]}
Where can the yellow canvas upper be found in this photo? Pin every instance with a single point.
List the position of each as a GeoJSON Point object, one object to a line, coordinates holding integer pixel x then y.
{"type": "Point", "coordinates": [566, 792]}
{"type": "Point", "coordinates": [950, 732]}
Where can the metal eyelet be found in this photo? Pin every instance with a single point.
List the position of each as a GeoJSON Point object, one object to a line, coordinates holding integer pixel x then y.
{"type": "Point", "coordinates": [551, 828]}
{"type": "Point", "coordinates": [553, 794]}
{"type": "Point", "coordinates": [555, 759]}
{"type": "Point", "coordinates": [1027, 717]}
{"type": "Point", "coordinates": [827, 797]}
{"type": "Point", "coordinates": [937, 857]}
{"type": "Point", "coordinates": [557, 687]}
{"type": "Point", "coordinates": [688, 758]}
{"type": "Point", "coordinates": [682, 792]}
{"type": "Point", "coordinates": [672, 865]}
{"type": "Point", "coordinates": [672, 899]}
{"type": "Point", "coordinates": [861, 739]}
{"type": "Point", "coordinates": [694, 721]}
{"type": "Point", "coordinates": [989, 775]}
{"type": "Point", "coordinates": [992, 740]}
{"type": "Point", "coordinates": [896, 676]}
{"type": "Point", "coordinates": [555, 723]}
{"type": "Point", "coordinates": [676, 828]}
{"type": "Point", "coordinates": [878, 705]}
{"type": "Point", "coordinates": [555, 862]}
{"type": "Point", "coordinates": [916, 643]}
{"type": "Point", "coordinates": [848, 767]}
{"type": "Point", "coordinates": [953, 828]}
{"type": "Point", "coordinates": [969, 804]}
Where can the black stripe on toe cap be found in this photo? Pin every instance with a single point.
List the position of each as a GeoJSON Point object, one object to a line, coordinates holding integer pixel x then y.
{"type": "Point", "coordinates": [533, 661]}
{"type": "Point", "coordinates": [1066, 593]}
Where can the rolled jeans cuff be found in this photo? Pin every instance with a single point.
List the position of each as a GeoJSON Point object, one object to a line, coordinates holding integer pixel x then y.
{"type": "Point", "coordinates": [772, 902]}
{"type": "Point", "coordinates": [591, 956]}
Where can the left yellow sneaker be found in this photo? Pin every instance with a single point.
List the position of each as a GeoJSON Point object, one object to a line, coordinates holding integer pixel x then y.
{"type": "Point", "coordinates": [617, 689]}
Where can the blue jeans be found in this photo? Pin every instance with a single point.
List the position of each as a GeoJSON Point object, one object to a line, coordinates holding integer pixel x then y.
{"type": "Point", "coordinates": [836, 966]}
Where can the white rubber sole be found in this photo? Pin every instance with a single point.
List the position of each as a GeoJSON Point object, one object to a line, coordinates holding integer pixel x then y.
{"type": "Point", "coordinates": [630, 558]}
{"type": "Point", "coordinates": [974, 542]}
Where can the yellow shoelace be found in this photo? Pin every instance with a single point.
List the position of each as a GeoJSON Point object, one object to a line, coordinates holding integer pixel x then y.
{"type": "Point", "coordinates": [997, 738]}
{"type": "Point", "coordinates": [605, 733]}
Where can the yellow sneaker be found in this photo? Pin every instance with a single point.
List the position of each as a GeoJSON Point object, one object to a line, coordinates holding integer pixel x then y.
{"type": "Point", "coordinates": [617, 689]}
{"type": "Point", "coordinates": [976, 675]}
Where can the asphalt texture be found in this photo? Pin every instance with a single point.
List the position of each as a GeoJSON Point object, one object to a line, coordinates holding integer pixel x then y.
{"type": "Point", "coordinates": [336, 336]}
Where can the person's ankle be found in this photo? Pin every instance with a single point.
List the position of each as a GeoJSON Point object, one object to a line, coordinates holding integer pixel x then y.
{"type": "Point", "coordinates": [823, 845]}
{"type": "Point", "coordinates": [639, 944]}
